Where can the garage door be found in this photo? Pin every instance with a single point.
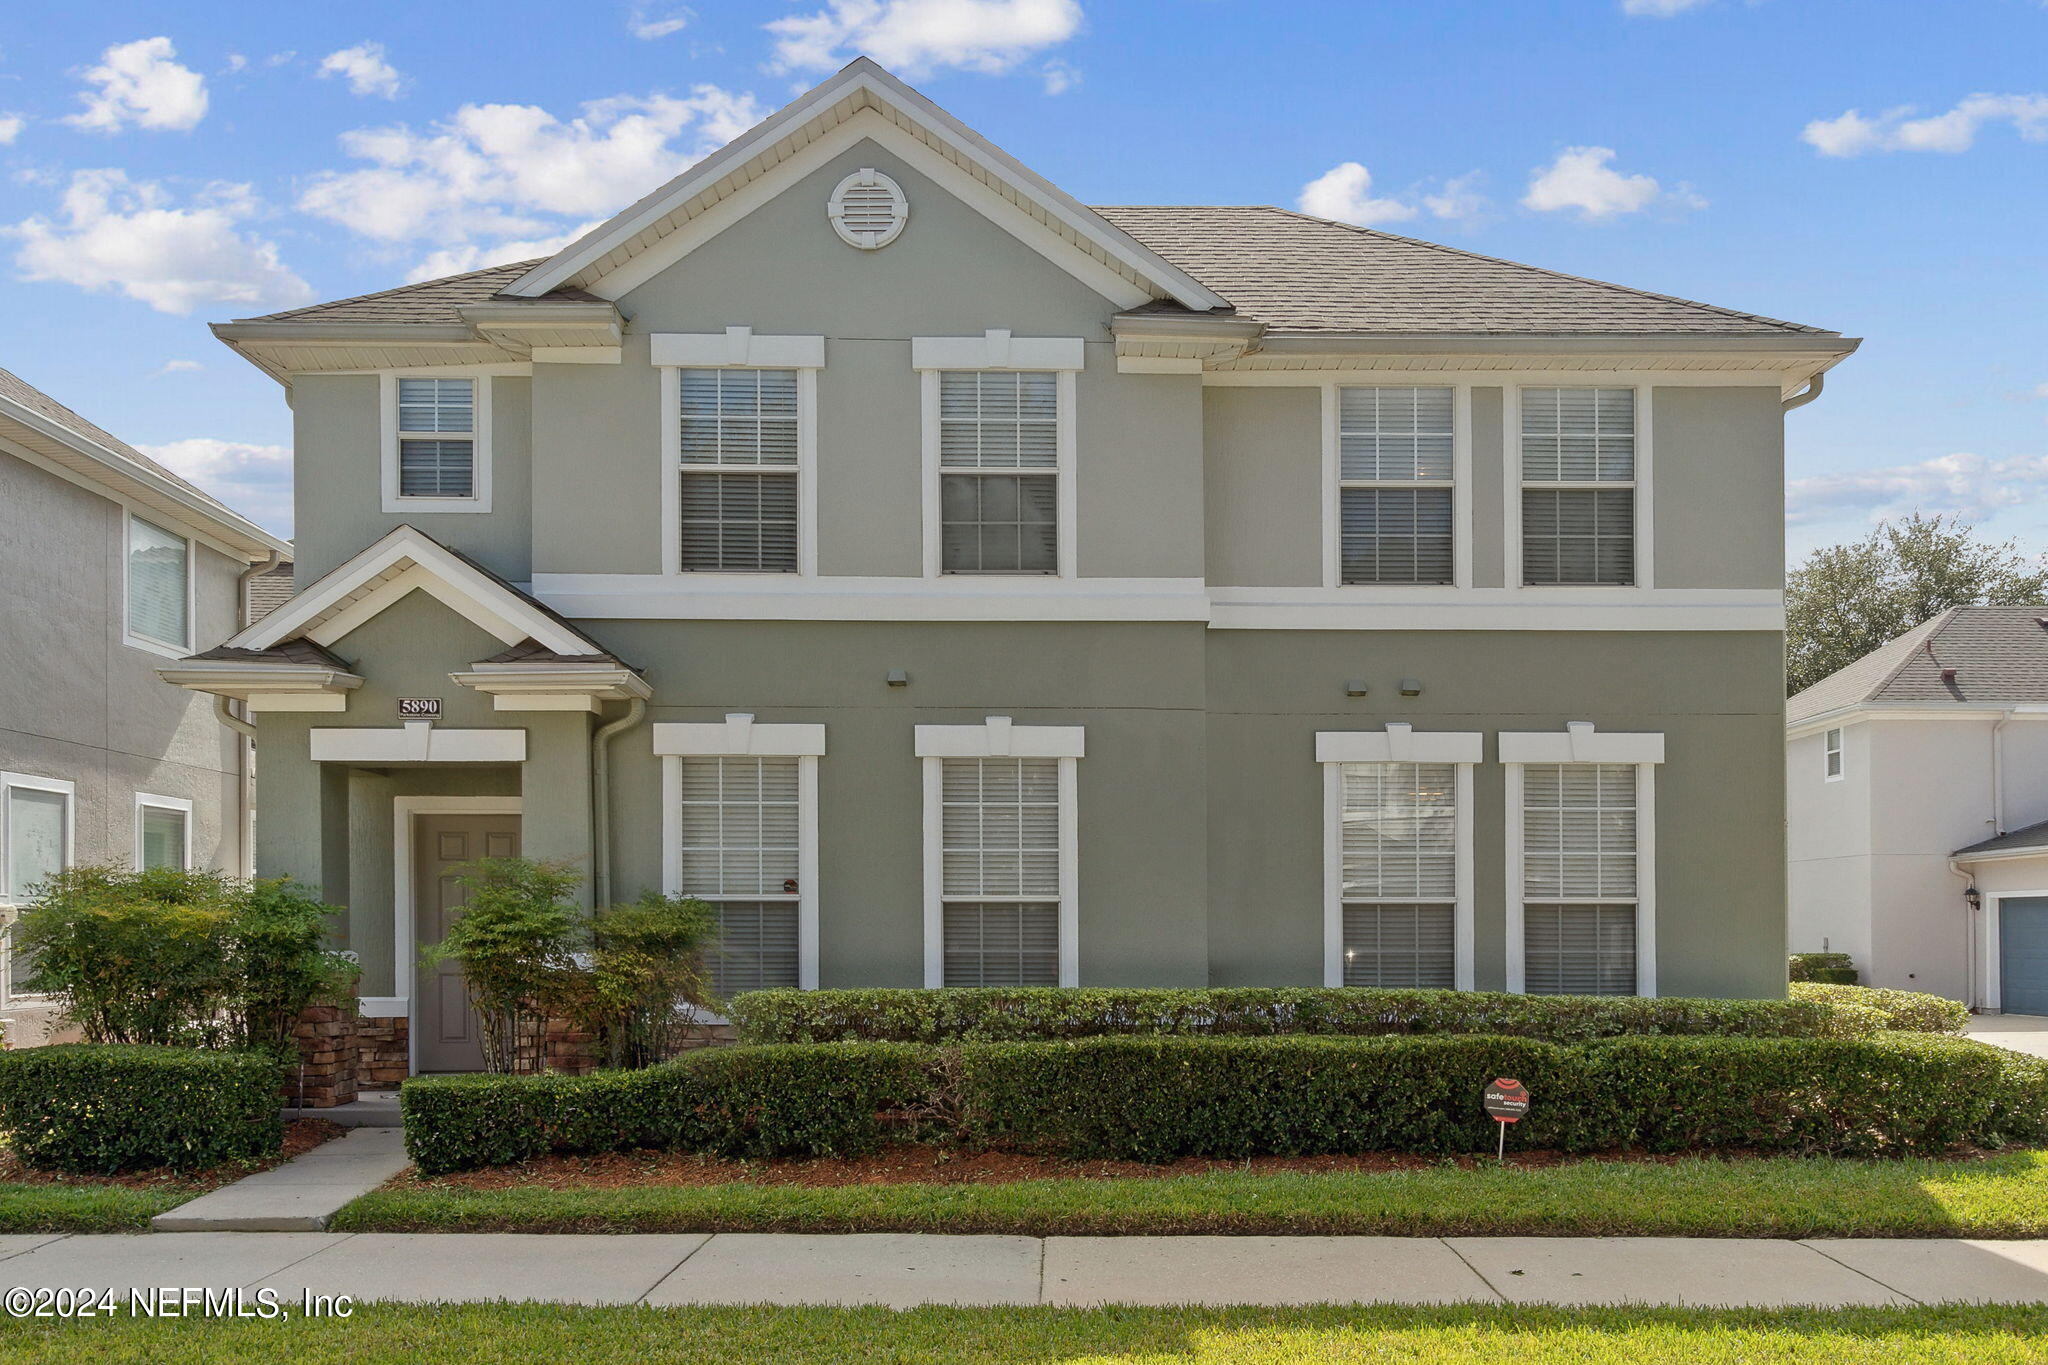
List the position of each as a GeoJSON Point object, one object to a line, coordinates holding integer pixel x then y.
{"type": "Point", "coordinates": [2023, 955]}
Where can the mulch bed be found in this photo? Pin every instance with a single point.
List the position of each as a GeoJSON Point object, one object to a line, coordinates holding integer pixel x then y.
{"type": "Point", "coordinates": [920, 1165]}
{"type": "Point", "coordinates": [300, 1137]}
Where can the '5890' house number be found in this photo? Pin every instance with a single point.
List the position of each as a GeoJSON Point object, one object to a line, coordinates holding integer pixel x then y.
{"type": "Point", "coordinates": [419, 708]}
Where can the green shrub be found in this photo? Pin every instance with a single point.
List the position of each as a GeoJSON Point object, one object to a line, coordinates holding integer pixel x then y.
{"type": "Point", "coordinates": [1906, 1011]}
{"type": "Point", "coordinates": [645, 965]}
{"type": "Point", "coordinates": [1833, 968]}
{"type": "Point", "coordinates": [105, 1108]}
{"type": "Point", "coordinates": [1157, 1098]}
{"type": "Point", "coordinates": [824, 1100]}
{"type": "Point", "coordinates": [515, 942]}
{"type": "Point", "coordinates": [1043, 1013]}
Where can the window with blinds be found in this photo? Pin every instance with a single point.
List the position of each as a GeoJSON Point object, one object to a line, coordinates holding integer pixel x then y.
{"type": "Point", "coordinates": [159, 586]}
{"type": "Point", "coordinates": [739, 847]}
{"type": "Point", "coordinates": [1578, 486]}
{"type": "Point", "coordinates": [739, 493]}
{"type": "Point", "coordinates": [35, 825]}
{"type": "Point", "coordinates": [1579, 860]}
{"type": "Point", "coordinates": [437, 438]}
{"type": "Point", "coordinates": [1399, 873]}
{"type": "Point", "coordinates": [1395, 485]}
{"type": "Point", "coordinates": [1000, 871]}
{"type": "Point", "coordinates": [999, 472]}
{"type": "Point", "coordinates": [162, 838]}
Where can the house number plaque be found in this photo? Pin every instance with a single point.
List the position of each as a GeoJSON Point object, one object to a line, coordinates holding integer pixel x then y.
{"type": "Point", "coordinates": [419, 708]}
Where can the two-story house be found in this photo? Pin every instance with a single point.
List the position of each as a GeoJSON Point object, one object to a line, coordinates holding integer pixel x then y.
{"type": "Point", "coordinates": [109, 564]}
{"type": "Point", "coordinates": [956, 584]}
{"type": "Point", "coordinates": [1917, 801]}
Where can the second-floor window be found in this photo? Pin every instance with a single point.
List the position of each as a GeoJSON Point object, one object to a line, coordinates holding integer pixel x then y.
{"type": "Point", "coordinates": [436, 438]}
{"type": "Point", "coordinates": [1831, 755]}
{"type": "Point", "coordinates": [999, 472]}
{"type": "Point", "coordinates": [1395, 485]}
{"type": "Point", "coordinates": [739, 487]}
{"type": "Point", "coordinates": [159, 588]}
{"type": "Point", "coordinates": [1578, 462]}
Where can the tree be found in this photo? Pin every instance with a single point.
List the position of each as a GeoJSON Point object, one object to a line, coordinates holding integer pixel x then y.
{"type": "Point", "coordinates": [1846, 600]}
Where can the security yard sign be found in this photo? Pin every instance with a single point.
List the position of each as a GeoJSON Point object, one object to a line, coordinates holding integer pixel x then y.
{"type": "Point", "coordinates": [1507, 1099]}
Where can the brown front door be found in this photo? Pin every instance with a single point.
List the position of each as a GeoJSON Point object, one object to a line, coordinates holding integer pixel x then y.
{"type": "Point", "coordinates": [448, 1036]}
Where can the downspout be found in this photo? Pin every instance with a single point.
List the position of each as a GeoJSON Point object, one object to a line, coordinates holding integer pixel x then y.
{"type": "Point", "coordinates": [245, 748]}
{"type": "Point", "coordinates": [1806, 395]}
{"type": "Point", "coordinates": [601, 800]}
{"type": "Point", "coordinates": [1969, 934]}
{"type": "Point", "coordinates": [1998, 773]}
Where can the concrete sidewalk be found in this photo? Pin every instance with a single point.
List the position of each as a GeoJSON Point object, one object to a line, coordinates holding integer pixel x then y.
{"type": "Point", "coordinates": [901, 1271]}
{"type": "Point", "coordinates": [2026, 1033]}
{"type": "Point", "coordinates": [300, 1195]}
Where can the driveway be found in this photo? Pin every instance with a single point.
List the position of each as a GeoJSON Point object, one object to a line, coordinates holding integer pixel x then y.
{"type": "Point", "coordinates": [2021, 1032]}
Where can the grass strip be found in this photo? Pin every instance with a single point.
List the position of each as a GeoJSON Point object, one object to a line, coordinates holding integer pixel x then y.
{"type": "Point", "coordinates": [2001, 1196]}
{"type": "Point", "coordinates": [1151, 1336]}
{"type": "Point", "coordinates": [37, 1207]}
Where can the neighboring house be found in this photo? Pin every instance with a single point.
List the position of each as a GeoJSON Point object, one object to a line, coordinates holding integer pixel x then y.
{"type": "Point", "coordinates": [109, 564]}
{"type": "Point", "coordinates": [956, 584]}
{"type": "Point", "coordinates": [1916, 786]}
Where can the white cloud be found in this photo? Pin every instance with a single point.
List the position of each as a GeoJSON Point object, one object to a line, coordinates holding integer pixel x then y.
{"type": "Point", "coordinates": [255, 480]}
{"type": "Point", "coordinates": [515, 170]}
{"type": "Point", "coordinates": [114, 233]}
{"type": "Point", "coordinates": [1459, 200]}
{"type": "Point", "coordinates": [456, 260]}
{"type": "Point", "coordinates": [1344, 192]}
{"type": "Point", "coordinates": [1970, 485]}
{"type": "Point", "coordinates": [365, 69]}
{"type": "Point", "coordinates": [142, 84]}
{"type": "Point", "coordinates": [916, 37]}
{"type": "Point", "coordinates": [1582, 181]}
{"type": "Point", "coordinates": [647, 24]}
{"type": "Point", "coordinates": [1895, 130]}
{"type": "Point", "coordinates": [1059, 77]}
{"type": "Point", "coordinates": [178, 367]}
{"type": "Point", "coordinates": [10, 128]}
{"type": "Point", "coordinates": [1659, 9]}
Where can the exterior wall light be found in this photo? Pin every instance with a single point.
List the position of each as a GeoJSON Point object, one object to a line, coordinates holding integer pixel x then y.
{"type": "Point", "coordinates": [1355, 688]}
{"type": "Point", "coordinates": [1411, 687]}
{"type": "Point", "coordinates": [1974, 897]}
{"type": "Point", "coordinates": [898, 678]}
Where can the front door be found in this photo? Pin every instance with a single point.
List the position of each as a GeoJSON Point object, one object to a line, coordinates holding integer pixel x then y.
{"type": "Point", "coordinates": [2023, 954]}
{"type": "Point", "coordinates": [448, 1037]}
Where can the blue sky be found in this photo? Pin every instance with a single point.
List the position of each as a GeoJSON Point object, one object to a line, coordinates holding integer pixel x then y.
{"type": "Point", "coordinates": [1873, 166]}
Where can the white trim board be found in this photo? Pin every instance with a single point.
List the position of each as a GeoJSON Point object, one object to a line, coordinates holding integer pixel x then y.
{"type": "Point", "coordinates": [404, 947]}
{"type": "Point", "coordinates": [415, 742]}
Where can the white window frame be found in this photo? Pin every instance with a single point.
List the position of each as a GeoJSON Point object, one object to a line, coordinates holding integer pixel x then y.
{"type": "Point", "coordinates": [997, 349]}
{"type": "Point", "coordinates": [480, 476]}
{"type": "Point", "coordinates": [151, 801]}
{"type": "Point", "coordinates": [1834, 760]}
{"type": "Point", "coordinates": [143, 642]}
{"type": "Point", "coordinates": [738, 736]}
{"type": "Point", "coordinates": [1334, 484]}
{"type": "Point", "coordinates": [1513, 484]}
{"type": "Point", "coordinates": [737, 348]}
{"type": "Point", "coordinates": [1397, 743]}
{"type": "Point", "coordinates": [998, 737]}
{"type": "Point", "coordinates": [1581, 743]}
{"type": "Point", "coordinates": [9, 897]}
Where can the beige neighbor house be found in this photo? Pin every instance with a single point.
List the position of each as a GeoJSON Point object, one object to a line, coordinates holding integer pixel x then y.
{"type": "Point", "coordinates": [109, 565]}
{"type": "Point", "coordinates": [957, 584]}
{"type": "Point", "coordinates": [1916, 788]}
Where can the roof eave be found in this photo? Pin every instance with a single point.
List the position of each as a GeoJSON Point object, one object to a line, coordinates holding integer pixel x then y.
{"type": "Point", "coordinates": [1792, 345]}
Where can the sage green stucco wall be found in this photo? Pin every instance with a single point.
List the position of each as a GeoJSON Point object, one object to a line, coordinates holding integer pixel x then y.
{"type": "Point", "coordinates": [1718, 470]}
{"type": "Point", "coordinates": [782, 270]}
{"type": "Point", "coordinates": [338, 494]}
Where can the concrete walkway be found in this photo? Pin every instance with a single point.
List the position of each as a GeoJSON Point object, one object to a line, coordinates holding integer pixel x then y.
{"type": "Point", "coordinates": [2026, 1033]}
{"type": "Point", "coordinates": [299, 1196]}
{"type": "Point", "coordinates": [903, 1271]}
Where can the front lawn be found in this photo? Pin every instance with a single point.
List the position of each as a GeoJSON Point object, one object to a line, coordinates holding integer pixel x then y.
{"type": "Point", "coordinates": [2002, 1195]}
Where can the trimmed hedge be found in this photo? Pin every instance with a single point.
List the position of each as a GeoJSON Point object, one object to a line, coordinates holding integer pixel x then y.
{"type": "Point", "coordinates": [957, 1015]}
{"type": "Point", "coordinates": [1158, 1098]}
{"type": "Point", "coordinates": [103, 1108]}
{"type": "Point", "coordinates": [1834, 968]}
{"type": "Point", "coordinates": [1906, 1011]}
{"type": "Point", "coordinates": [826, 1100]}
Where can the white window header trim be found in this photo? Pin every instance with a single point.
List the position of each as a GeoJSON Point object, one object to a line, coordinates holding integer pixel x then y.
{"type": "Point", "coordinates": [996, 349]}
{"type": "Point", "coordinates": [998, 737]}
{"type": "Point", "coordinates": [736, 347]}
{"type": "Point", "coordinates": [1398, 743]}
{"type": "Point", "coordinates": [737, 736]}
{"type": "Point", "coordinates": [1580, 744]}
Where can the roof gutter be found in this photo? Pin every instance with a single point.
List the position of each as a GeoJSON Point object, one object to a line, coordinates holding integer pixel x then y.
{"type": "Point", "coordinates": [1808, 394]}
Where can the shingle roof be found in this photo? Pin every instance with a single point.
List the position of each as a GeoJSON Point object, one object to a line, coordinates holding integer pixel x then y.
{"type": "Point", "coordinates": [298, 650]}
{"type": "Point", "coordinates": [2033, 837]}
{"type": "Point", "coordinates": [534, 652]}
{"type": "Point", "coordinates": [269, 590]}
{"type": "Point", "coordinates": [13, 386]}
{"type": "Point", "coordinates": [1999, 654]}
{"type": "Point", "coordinates": [1293, 273]}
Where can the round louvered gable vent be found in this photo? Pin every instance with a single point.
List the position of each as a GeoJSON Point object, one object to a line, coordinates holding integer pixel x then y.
{"type": "Point", "coordinates": [869, 210]}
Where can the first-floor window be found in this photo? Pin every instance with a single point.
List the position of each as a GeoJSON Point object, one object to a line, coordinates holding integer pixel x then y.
{"type": "Point", "coordinates": [1400, 878]}
{"type": "Point", "coordinates": [1000, 871]}
{"type": "Point", "coordinates": [740, 840]}
{"type": "Point", "coordinates": [163, 829]}
{"type": "Point", "coordinates": [35, 845]}
{"type": "Point", "coordinates": [1580, 889]}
